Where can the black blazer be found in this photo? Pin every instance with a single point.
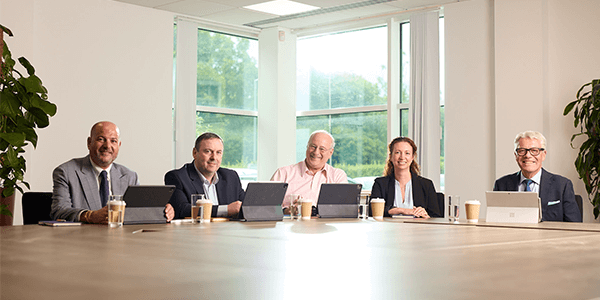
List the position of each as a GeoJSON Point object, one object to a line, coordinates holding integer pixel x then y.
{"type": "Point", "coordinates": [556, 192]}
{"type": "Point", "coordinates": [187, 182]}
{"type": "Point", "coordinates": [424, 194]}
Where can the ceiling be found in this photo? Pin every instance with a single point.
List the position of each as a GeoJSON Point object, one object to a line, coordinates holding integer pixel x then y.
{"type": "Point", "coordinates": [231, 12]}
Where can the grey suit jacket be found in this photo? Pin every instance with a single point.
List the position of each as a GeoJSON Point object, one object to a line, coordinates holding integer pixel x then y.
{"type": "Point", "coordinates": [76, 187]}
{"type": "Point", "coordinates": [556, 192]}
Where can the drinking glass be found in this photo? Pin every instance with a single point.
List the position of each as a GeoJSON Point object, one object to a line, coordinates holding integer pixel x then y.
{"type": "Point", "coordinates": [453, 207]}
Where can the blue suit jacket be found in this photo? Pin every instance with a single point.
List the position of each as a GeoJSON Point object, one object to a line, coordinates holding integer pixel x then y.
{"type": "Point", "coordinates": [76, 187]}
{"type": "Point", "coordinates": [424, 194]}
{"type": "Point", "coordinates": [187, 182]}
{"type": "Point", "coordinates": [556, 192]}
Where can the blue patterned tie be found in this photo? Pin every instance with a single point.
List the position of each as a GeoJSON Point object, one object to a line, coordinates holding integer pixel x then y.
{"type": "Point", "coordinates": [527, 186]}
{"type": "Point", "coordinates": [103, 188]}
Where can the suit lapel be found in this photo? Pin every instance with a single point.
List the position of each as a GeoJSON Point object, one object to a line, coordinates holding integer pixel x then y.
{"type": "Point", "coordinates": [195, 178]}
{"type": "Point", "coordinates": [391, 190]}
{"type": "Point", "coordinates": [417, 191]}
{"type": "Point", "coordinates": [118, 185]}
{"type": "Point", "coordinates": [89, 183]}
{"type": "Point", "coordinates": [546, 181]}
{"type": "Point", "coordinates": [221, 188]}
{"type": "Point", "coordinates": [514, 182]}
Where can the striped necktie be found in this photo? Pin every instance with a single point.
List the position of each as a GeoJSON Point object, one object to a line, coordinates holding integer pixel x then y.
{"type": "Point", "coordinates": [527, 184]}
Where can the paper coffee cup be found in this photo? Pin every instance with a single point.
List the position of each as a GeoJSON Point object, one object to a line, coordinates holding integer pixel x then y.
{"type": "Point", "coordinates": [472, 209]}
{"type": "Point", "coordinates": [206, 209]}
{"type": "Point", "coordinates": [306, 208]}
{"type": "Point", "coordinates": [377, 206]}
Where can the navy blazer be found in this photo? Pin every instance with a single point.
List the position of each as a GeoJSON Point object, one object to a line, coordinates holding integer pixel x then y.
{"type": "Point", "coordinates": [187, 182]}
{"type": "Point", "coordinates": [556, 192]}
{"type": "Point", "coordinates": [424, 194]}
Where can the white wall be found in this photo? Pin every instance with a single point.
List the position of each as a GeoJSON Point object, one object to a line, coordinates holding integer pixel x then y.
{"type": "Point", "coordinates": [469, 98]}
{"type": "Point", "coordinates": [542, 51]}
{"type": "Point", "coordinates": [100, 60]}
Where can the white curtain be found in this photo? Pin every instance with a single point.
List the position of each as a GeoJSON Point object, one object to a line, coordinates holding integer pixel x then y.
{"type": "Point", "coordinates": [425, 92]}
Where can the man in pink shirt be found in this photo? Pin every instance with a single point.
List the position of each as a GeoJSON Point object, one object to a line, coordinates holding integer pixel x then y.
{"type": "Point", "coordinates": [305, 178]}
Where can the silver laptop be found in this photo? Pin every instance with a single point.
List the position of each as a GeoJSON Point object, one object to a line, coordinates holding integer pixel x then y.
{"type": "Point", "coordinates": [513, 207]}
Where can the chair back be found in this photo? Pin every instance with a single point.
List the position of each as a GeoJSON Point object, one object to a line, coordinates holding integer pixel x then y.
{"type": "Point", "coordinates": [579, 201]}
{"type": "Point", "coordinates": [36, 207]}
{"type": "Point", "coordinates": [441, 203]}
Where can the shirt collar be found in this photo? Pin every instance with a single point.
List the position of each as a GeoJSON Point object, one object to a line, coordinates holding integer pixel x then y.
{"type": "Point", "coordinates": [537, 178]}
{"type": "Point", "coordinates": [204, 180]}
{"type": "Point", "coordinates": [97, 169]}
{"type": "Point", "coordinates": [306, 171]}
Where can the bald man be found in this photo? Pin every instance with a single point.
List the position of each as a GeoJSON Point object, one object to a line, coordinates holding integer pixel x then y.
{"type": "Point", "coordinates": [78, 193]}
{"type": "Point", "coordinates": [305, 178]}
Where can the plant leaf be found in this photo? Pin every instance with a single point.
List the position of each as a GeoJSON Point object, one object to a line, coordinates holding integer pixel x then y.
{"type": "Point", "coordinates": [33, 84]}
{"type": "Point", "coordinates": [569, 107]}
{"type": "Point", "coordinates": [39, 117]}
{"type": "Point", "coordinates": [9, 106]}
{"type": "Point", "coordinates": [15, 139]}
{"type": "Point", "coordinates": [25, 63]}
{"type": "Point", "coordinates": [7, 30]}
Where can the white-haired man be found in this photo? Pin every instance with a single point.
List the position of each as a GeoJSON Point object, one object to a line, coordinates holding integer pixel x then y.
{"type": "Point", "coordinates": [556, 192]}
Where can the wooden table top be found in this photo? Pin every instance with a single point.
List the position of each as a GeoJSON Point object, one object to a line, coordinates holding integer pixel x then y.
{"type": "Point", "coordinates": [337, 258]}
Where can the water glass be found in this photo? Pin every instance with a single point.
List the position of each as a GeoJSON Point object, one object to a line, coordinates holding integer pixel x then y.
{"type": "Point", "coordinates": [453, 208]}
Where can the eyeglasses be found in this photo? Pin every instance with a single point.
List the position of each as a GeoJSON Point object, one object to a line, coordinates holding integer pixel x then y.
{"type": "Point", "coordinates": [533, 151]}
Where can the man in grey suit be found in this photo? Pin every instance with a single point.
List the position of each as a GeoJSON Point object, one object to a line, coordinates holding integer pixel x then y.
{"type": "Point", "coordinates": [556, 192]}
{"type": "Point", "coordinates": [82, 185]}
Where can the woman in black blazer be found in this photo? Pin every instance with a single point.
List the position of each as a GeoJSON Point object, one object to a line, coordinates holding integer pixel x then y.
{"type": "Point", "coordinates": [417, 194]}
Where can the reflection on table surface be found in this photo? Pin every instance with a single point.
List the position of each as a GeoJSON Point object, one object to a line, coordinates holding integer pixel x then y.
{"type": "Point", "coordinates": [339, 258]}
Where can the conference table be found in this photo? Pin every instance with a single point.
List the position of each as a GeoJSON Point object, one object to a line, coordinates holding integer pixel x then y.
{"type": "Point", "coordinates": [297, 259]}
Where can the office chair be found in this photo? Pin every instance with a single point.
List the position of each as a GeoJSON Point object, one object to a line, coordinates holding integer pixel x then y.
{"type": "Point", "coordinates": [441, 203]}
{"type": "Point", "coordinates": [36, 207]}
{"type": "Point", "coordinates": [579, 201]}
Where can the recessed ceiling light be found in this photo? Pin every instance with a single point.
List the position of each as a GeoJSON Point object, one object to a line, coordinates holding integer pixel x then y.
{"type": "Point", "coordinates": [281, 7]}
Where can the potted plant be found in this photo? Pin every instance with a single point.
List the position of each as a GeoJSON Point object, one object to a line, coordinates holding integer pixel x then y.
{"type": "Point", "coordinates": [24, 106]}
{"type": "Point", "coordinates": [587, 118]}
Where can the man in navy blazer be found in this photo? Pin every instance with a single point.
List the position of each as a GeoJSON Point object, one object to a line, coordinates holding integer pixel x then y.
{"type": "Point", "coordinates": [556, 192]}
{"type": "Point", "coordinates": [204, 175]}
{"type": "Point", "coordinates": [76, 194]}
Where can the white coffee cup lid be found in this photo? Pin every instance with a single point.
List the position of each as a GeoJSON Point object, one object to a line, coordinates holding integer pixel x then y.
{"type": "Point", "coordinates": [117, 202]}
{"type": "Point", "coordinates": [377, 200]}
{"type": "Point", "coordinates": [306, 200]}
{"type": "Point", "coordinates": [472, 202]}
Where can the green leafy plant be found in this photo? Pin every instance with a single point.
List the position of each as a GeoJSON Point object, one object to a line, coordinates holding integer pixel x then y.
{"type": "Point", "coordinates": [24, 106]}
{"type": "Point", "coordinates": [587, 119]}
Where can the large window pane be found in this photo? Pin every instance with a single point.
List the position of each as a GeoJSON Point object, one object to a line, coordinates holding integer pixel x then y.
{"type": "Point", "coordinates": [239, 137]}
{"type": "Point", "coordinates": [360, 142]}
{"type": "Point", "coordinates": [342, 70]}
{"type": "Point", "coordinates": [405, 62]}
{"type": "Point", "coordinates": [227, 71]}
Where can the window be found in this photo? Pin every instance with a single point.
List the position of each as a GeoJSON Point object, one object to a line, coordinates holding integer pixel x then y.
{"type": "Point", "coordinates": [342, 88]}
{"type": "Point", "coordinates": [226, 91]}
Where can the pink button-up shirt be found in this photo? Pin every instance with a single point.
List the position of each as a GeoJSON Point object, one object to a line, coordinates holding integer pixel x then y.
{"type": "Point", "coordinates": [305, 183]}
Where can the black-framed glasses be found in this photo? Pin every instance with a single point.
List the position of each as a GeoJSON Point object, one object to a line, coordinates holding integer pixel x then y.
{"type": "Point", "coordinates": [533, 151]}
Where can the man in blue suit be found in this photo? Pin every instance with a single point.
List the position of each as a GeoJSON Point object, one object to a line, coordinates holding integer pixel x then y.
{"type": "Point", "coordinates": [556, 192]}
{"type": "Point", "coordinates": [204, 175]}
{"type": "Point", "coordinates": [82, 185]}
